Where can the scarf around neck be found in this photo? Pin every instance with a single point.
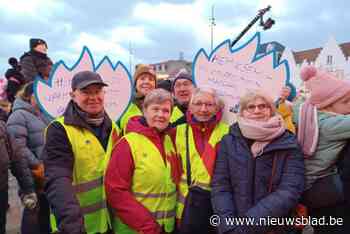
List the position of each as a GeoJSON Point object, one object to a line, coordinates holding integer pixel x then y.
{"type": "Point", "coordinates": [308, 131]}
{"type": "Point", "coordinates": [261, 132]}
{"type": "Point", "coordinates": [95, 121]}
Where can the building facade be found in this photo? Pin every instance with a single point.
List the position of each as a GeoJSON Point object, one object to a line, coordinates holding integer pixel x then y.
{"type": "Point", "coordinates": [169, 69]}
{"type": "Point", "coordinates": [333, 57]}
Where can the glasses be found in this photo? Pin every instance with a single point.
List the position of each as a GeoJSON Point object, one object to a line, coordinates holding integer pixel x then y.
{"type": "Point", "coordinates": [185, 84]}
{"type": "Point", "coordinates": [261, 107]}
{"type": "Point", "coordinates": [200, 104]}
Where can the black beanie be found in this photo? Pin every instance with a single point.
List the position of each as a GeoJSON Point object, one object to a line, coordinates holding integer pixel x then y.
{"type": "Point", "coordinates": [182, 75]}
{"type": "Point", "coordinates": [13, 62]}
{"type": "Point", "coordinates": [34, 42]}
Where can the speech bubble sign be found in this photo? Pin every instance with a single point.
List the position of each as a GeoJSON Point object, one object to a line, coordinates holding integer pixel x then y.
{"type": "Point", "coordinates": [53, 95]}
{"type": "Point", "coordinates": [232, 72]}
{"type": "Point", "coordinates": [3, 86]}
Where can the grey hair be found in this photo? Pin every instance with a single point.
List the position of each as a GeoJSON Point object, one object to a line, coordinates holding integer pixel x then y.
{"type": "Point", "coordinates": [252, 95]}
{"type": "Point", "coordinates": [158, 96]}
{"type": "Point", "coordinates": [197, 91]}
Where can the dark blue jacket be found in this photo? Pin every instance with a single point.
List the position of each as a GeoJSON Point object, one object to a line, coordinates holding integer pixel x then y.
{"type": "Point", "coordinates": [233, 193]}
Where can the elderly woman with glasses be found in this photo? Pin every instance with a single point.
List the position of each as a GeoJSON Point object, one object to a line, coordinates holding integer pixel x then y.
{"type": "Point", "coordinates": [259, 173]}
{"type": "Point", "coordinates": [197, 142]}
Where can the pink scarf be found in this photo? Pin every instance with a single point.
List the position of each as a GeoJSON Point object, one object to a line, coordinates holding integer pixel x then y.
{"type": "Point", "coordinates": [308, 129]}
{"type": "Point", "coordinates": [262, 132]}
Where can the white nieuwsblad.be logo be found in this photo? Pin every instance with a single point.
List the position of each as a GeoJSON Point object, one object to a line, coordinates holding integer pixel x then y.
{"type": "Point", "coordinates": [214, 220]}
{"type": "Point", "coordinates": [276, 221]}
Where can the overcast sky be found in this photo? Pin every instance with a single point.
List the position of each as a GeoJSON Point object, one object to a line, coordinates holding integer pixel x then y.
{"type": "Point", "coordinates": [160, 30]}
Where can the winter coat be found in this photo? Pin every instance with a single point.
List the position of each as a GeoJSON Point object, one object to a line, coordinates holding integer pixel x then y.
{"type": "Point", "coordinates": [236, 171]}
{"type": "Point", "coordinates": [32, 62]}
{"type": "Point", "coordinates": [3, 115]}
{"type": "Point", "coordinates": [119, 177]}
{"type": "Point", "coordinates": [27, 127]}
{"type": "Point", "coordinates": [59, 162]}
{"type": "Point", "coordinates": [334, 133]}
{"type": "Point", "coordinates": [201, 132]}
{"type": "Point", "coordinates": [11, 157]}
{"type": "Point", "coordinates": [15, 82]}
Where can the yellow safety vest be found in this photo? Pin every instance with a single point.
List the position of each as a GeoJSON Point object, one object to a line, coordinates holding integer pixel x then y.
{"type": "Point", "coordinates": [176, 114]}
{"type": "Point", "coordinates": [133, 110]}
{"type": "Point", "coordinates": [152, 184]}
{"type": "Point", "coordinates": [287, 113]}
{"type": "Point", "coordinates": [90, 162]}
{"type": "Point", "coordinates": [200, 164]}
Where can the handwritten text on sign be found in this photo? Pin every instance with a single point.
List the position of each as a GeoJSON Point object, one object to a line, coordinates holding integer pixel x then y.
{"type": "Point", "coordinates": [54, 96]}
{"type": "Point", "coordinates": [233, 72]}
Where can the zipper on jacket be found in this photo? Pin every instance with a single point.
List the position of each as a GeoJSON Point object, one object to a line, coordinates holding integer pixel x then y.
{"type": "Point", "coordinates": [253, 181]}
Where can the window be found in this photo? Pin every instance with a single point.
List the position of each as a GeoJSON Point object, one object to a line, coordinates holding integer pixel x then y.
{"type": "Point", "coordinates": [329, 60]}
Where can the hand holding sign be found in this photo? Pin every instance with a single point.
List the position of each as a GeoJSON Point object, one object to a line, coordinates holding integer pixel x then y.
{"type": "Point", "coordinates": [53, 95]}
{"type": "Point", "coordinates": [233, 72]}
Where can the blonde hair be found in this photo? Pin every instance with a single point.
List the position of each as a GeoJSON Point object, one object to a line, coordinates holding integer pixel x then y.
{"type": "Point", "coordinates": [158, 96]}
{"type": "Point", "coordinates": [252, 95]}
{"type": "Point", "coordinates": [23, 92]}
{"type": "Point", "coordinates": [5, 105]}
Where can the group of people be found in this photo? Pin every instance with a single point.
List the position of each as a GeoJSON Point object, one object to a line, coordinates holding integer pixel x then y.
{"type": "Point", "coordinates": [22, 139]}
{"type": "Point", "coordinates": [170, 162]}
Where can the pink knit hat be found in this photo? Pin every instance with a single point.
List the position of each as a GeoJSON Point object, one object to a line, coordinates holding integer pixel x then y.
{"type": "Point", "coordinates": [325, 89]}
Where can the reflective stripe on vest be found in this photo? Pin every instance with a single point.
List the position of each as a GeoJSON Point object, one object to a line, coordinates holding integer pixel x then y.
{"type": "Point", "coordinates": [176, 114]}
{"type": "Point", "coordinates": [156, 191]}
{"type": "Point", "coordinates": [201, 165]}
{"type": "Point", "coordinates": [90, 162]}
{"type": "Point", "coordinates": [133, 110]}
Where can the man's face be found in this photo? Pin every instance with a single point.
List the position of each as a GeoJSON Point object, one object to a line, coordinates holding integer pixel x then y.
{"type": "Point", "coordinates": [183, 91]}
{"type": "Point", "coordinates": [90, 99]}
{"type": "Point", "coordinates": [41, 48]}
{"type": "Point", "coordinates": [145, 83]}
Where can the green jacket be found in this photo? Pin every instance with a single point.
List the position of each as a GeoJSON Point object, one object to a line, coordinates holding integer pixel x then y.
{"type": "Point", "coordinates": [334, 131]}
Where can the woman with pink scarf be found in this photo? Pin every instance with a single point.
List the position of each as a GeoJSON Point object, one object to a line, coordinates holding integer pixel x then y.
{"type": "Point", "coordinates": [323, 122]}
{"type": "Point", "coordinates": [259, 172]}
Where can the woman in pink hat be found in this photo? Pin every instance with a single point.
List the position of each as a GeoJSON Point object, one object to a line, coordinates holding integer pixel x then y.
{"type": "Point", "coordinates": [323, 122]}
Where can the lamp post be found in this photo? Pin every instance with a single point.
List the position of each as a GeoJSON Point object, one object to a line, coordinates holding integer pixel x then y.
{"type": "Point", "coordinates": [212, 25]}
{"type": "Point", "coordinates": [265, 24]}
{"type": "Point", "coordinates": [130, 57]}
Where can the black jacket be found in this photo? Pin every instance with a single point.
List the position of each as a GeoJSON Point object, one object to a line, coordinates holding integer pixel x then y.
{"type": "Point", "coordinates": [59, 162]}
{"type": "Point", "coordinates": [31, 62]}
{"type": "Point", "coordinates": [11, 157]}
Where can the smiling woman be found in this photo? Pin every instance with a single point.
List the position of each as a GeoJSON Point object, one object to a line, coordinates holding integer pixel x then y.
{"type": "Point", "coordinates": [145, 204]}
{"type": "Point", "coordinates": [157, 109]}
{"type": "Point", "coordinates": [260, 170]}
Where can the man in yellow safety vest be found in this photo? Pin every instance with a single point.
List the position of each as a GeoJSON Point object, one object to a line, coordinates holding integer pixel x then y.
{"type": "Point", "coordinates": [76, 153]}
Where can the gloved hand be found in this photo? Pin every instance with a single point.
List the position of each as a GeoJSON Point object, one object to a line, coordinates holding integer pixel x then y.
{"type": "Point", "coordinates": [38, 174]}
{"type": "Point", "coordinates": [38, 171]}
{"type": "Point", "coordinates": [30, 201]}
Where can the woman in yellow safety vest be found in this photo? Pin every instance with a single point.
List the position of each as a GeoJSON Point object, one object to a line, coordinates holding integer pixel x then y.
{"type": "Point", "coordinates": [197, 142]}
{"type": "Point", "coordinates": [144, 82]}
{"type": "Point", "coordinates": [144, 170]}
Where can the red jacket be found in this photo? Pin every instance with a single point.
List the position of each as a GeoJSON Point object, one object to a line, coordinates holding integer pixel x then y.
{"type": "Point", "coordinates": [118, 180]}
{"type": "Point", "coordinates": [201, 131]}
